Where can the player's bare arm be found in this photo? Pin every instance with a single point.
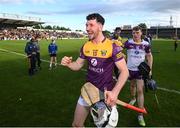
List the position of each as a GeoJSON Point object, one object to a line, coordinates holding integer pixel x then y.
{"type": "Point", "coordinates": [73, 65]}
{"type": "Point", "coordinates": [149, 58]}
{"type": "Point", "coordinates": [112, 96]}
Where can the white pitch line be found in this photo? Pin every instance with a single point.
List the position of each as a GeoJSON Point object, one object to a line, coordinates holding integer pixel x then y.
{"type": "Point", "coordinates": [24, 55]}
{"type": "Point", "coordinates": [168, 90]}
{"type": "Point", "coordinates": [20, 54]}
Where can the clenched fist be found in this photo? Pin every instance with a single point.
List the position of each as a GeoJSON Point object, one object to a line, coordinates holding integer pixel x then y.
{"type": "Point", "coordinates": [66, 61]}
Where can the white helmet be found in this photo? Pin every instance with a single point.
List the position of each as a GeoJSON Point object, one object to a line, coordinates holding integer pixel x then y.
{"type": "Point", "coordinates": [104, 116]}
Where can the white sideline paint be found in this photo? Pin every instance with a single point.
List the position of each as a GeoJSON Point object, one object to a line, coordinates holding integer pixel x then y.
{"type": "Point", "coordinates": [25, 56]}
{"type": "Point", "coordinates": [168, 90]}
{"type": "Point", "coordinates": [20, 54]}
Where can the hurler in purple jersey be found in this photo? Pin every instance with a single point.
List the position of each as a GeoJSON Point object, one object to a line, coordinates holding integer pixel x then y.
{"type": "Point", "coordinates": [101, 56]}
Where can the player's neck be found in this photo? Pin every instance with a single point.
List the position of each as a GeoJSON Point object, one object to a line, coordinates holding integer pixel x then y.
{"type": "Point", "coordinates": [138, 41]}
{"type": "Point", "coordinates": [98, 39]}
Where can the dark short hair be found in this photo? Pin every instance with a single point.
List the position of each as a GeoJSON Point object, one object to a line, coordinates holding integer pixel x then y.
{"type": "Point", "coordinates": [96, 16]}
{"type": "Point", "coordinates": [117, 29]}
{"type": "Point", "coordinates": [137, 28]}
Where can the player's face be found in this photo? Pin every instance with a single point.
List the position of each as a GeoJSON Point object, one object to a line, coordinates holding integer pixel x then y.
{"type": "Point", "coordinates": [118, 32]}
{"type": "Point", "coordinates": [137, 35]}
{"type": "Point", "coordinates": [93, 28]}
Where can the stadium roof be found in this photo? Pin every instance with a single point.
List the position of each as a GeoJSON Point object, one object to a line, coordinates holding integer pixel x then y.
{"type": "Point", "coordinates": [19, 21]}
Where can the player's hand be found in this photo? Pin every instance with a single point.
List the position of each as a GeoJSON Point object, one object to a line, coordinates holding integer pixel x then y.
{"type": "Point", "coordinates": [66, 61]}
{"type": "Point", "coordinates": [110, 98]}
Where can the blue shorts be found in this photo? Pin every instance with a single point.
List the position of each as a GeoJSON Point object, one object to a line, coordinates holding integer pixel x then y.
{"type": "Point", "coordinates": [134, 75]}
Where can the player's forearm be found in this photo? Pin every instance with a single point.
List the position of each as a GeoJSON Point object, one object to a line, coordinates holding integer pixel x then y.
{"type": "Point", "coordinates": [75, 66]}
{"type": "Point", "coordinates": [121, 81]}
{"type": "Point", "coordinates": [150, 60]}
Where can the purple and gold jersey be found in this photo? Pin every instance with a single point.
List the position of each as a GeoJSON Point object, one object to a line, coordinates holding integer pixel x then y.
{"type": "Point", "coordinates": [136, 53]}
{"type": "Point", "coordinates": [101, 60]}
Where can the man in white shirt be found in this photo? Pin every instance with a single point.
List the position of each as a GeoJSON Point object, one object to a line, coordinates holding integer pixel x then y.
{"type": "Point", "coordinates": [138, 51]}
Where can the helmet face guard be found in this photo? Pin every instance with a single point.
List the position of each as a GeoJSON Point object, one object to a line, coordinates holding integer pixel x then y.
{"type": "Point", "coordinates": [151, 84]}
{"type": "Point", "coordinates": [144, 69]}
{"type": "Point", "coordinates": [103, 115]}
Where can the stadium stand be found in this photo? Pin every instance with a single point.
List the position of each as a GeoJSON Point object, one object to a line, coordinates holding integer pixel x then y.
{"type": "Point", "coordinates": [15, 27]}
{"type": "Point", "coordinates": [168, 33]}
{"type": "Point", "coordinates": [25, 34]}
{"type": "Point", "coordinates": [9, 30]}
{"type": "Point", "coordinates": [13, 20]}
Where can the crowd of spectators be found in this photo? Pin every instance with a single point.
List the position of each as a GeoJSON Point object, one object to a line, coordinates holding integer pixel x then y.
{"type": "Point", "coordinates": [25, 34]}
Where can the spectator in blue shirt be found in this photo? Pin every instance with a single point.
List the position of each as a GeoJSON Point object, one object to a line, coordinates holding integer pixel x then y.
{"type": "Point", "coordinates": [31, 51]}
{"type": "Point", "coordinates": [52, 48]}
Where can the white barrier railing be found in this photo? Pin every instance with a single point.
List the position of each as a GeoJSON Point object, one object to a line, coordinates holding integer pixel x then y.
{"type": "Point", "coordinates": [19, 17]}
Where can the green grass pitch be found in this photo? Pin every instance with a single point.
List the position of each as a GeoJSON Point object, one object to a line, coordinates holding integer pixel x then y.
{"type": "Point", "coordinates": [49, 97]}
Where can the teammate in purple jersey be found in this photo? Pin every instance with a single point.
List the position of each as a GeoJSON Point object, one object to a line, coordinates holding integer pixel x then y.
{"type": "Point", "coordinates": [101, 55]}
{"type": "Point", "coordinates": [138, 51]}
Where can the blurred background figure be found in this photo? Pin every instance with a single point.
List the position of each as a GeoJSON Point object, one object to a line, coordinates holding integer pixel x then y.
{"type": "Point", "coordinates": [52, 48]}
{"type": "Point", "coordinates": [38, 52]}
{"type": "Point", "coordinates": [175, 43]}
{"type": "Point", "coordinates": [31, 51]}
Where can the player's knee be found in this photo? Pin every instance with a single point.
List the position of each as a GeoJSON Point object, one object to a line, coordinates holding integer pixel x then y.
{"type": "Point", "coordinates": [133, 85]}
{"type": "Point", "coordinates": [140, 91]}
